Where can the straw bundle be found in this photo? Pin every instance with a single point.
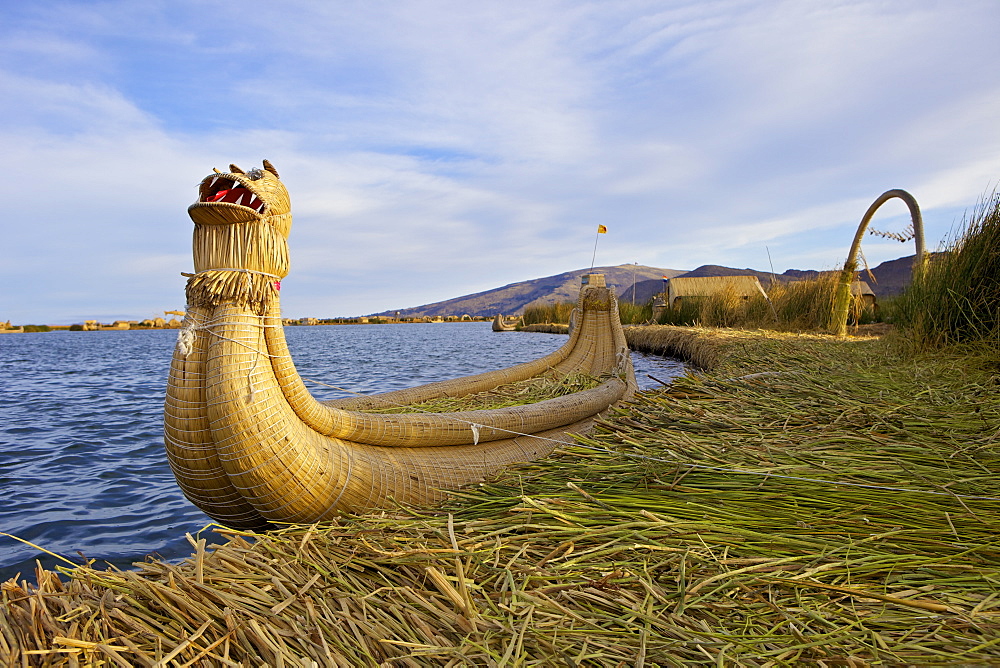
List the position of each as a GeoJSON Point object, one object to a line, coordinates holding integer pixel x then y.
{"type": "Point", "coordinates": [250, 445]}
{"type": "Point", "coordinates": [692, 345]}
{"type": "Point", "coordinates": [214, 288]}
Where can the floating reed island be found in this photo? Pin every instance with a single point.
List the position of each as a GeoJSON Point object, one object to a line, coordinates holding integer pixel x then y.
{"type": "Point", "coordinates": [807, 500]}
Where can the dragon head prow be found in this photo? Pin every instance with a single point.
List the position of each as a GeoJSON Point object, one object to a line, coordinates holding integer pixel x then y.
{"type": "Point", "coordinates": [242, 221]}
{"type": "Point", "coordinates": [239, 197]}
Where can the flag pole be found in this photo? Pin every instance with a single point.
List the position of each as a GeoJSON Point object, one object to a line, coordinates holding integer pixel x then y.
{"type": "Point", "coordinates": [601, 229]}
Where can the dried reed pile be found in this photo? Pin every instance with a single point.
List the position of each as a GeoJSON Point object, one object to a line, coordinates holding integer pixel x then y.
{"type": "Point", "coordinates": [707, 348]}
{"type": "Point", "coordinates": [756, 514]}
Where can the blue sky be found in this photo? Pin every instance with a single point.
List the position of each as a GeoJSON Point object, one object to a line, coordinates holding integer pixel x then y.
{"type": "Point", "coordinates": [438, 148]}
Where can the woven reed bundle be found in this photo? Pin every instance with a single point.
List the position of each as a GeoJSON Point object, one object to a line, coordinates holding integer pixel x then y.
{"type": "Point", "coordinates": [248, 443]}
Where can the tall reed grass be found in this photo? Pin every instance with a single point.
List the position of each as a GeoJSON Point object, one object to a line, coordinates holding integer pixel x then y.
{"type": "Point", "coordinates": [541, 314]}
{"type": "Point", "coordinates": [788, 306]}
{"type": "Point", "coordinates": [635, 314]}
{"type": "Point", "coordinates": [537, 314]}
{"type": "Point", "coordinates": [955, 296]}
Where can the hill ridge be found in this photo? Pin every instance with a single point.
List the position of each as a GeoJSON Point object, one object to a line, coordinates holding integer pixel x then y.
{"type": "Point", "coordinates": [891, 277]}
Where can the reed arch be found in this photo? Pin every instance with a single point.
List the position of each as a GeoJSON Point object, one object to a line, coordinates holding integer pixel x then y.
{"type": "Point", "coordinates": [842, 297]}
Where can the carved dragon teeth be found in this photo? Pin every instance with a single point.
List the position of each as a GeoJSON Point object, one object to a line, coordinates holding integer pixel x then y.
{"type": "Point", "coordinates": [222, 189]}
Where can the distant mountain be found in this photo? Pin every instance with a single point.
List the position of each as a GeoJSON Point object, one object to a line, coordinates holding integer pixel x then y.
{"type": "Point", "coordinates": [511, 299]}
{"type": "Point", "coordinates": [891, 278]}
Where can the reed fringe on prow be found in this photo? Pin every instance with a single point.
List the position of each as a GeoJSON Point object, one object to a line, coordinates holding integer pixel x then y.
{"type": "Point", "coordinates": [216, 287]}
{"type": "Point", "coordinates": [253, 246]}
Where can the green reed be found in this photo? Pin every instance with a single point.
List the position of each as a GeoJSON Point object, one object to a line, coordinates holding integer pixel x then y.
{"type": "Point", "coordinates": [559, 313]}
{"type": "Point", "coordinates": [955, 296]}
{"type": "Point", "coordinates": [787, 306]}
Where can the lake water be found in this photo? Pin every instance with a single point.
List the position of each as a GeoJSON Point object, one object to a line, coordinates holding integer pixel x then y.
{"type": "Point", "coordinates": [82, 468]}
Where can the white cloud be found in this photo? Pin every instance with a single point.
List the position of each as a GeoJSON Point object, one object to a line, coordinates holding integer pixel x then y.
{"type": "Point", "coordinates": [438, 148]}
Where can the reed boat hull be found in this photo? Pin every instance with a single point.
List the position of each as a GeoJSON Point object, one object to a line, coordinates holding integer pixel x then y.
{"type": "Point", "coordinates": [251, 447]}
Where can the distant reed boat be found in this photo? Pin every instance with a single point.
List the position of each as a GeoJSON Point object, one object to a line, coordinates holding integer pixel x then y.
{"type": "Point", "coordinates": [500, 325]}
{"type": "Point", "coordinates": [250, 446]}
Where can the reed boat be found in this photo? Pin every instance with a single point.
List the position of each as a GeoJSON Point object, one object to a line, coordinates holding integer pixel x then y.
{"type": "Point", "coordinates": [501, 325]}
{"type": "Point", "coordinates": [251, 447]}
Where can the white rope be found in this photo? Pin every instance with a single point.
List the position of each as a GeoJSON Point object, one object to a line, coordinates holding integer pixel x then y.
{"type": "Point", "coordinates": [186, 338]}
{"type": "Point", "coordinates": [185, 341]}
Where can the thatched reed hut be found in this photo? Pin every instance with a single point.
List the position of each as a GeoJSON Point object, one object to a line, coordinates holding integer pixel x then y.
{"type": "Point", "coordinates": [679, 289]}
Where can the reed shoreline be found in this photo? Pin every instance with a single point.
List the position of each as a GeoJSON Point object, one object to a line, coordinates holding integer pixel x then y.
{"type": "Point", "coordinates": [801, 499]}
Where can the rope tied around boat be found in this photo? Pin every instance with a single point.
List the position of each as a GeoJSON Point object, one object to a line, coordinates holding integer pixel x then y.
{"type": "Point", "coordinates": [244, 271]}
{"type": "Point", "coordinates": [186, 337]}
{"type": "Point", "coordinates": [185, 341]}
{"type": "Point", "coordinates": [622, 360]}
